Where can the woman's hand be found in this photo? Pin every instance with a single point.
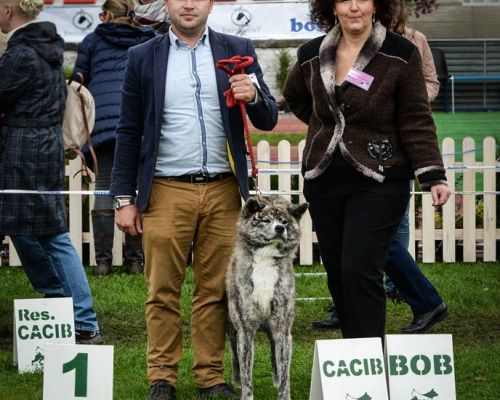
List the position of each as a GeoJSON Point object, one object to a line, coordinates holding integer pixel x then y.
{"type": "Point", "coordinates": [440, 194]}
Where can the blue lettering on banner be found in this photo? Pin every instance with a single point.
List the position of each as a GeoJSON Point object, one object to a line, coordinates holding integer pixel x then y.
{"type": "Point", "coordinates": [297, 26]}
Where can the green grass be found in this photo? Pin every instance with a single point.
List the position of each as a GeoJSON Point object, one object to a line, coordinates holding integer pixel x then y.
{"type": "Point", "coordinates": [472, 292]}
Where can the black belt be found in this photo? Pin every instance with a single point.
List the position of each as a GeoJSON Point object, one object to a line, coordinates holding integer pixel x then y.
{"type": "Point", "coordinates": [200, 178]}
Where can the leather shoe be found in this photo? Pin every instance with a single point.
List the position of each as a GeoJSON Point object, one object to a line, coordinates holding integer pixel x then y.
{"type": "Point", "coordinates": [220, 391]}
{"type": "Point", "coordinates": [102, 268]}
{"type": "Point", "coordinates": [134, 267]}
{"type": "Point", "coordinates": [162, 390]}
{"type": "Point", "coordinates": [395, 295]}
{"type": "Point", "coordinates": [424, 322]}
{"type": "Point", "coordinates": [332, 322]}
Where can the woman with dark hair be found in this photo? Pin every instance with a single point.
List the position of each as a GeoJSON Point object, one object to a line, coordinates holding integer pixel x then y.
{"type": "Point", "coordinates": [361, 91]}
{"type": "Point", "coordinates": [102, 57]}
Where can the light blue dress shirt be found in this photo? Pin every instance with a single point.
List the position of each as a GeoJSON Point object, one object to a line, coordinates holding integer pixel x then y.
{"type": "Point", "coordinates": [192, 138]}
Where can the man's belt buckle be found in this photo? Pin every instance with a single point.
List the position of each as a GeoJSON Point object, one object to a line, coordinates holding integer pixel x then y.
{"type": "Point", "coordinates": [198, 178]}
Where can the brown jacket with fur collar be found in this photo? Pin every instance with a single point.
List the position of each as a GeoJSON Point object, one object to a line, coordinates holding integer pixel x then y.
{"type": "Point", "coordinates": [385, 132]}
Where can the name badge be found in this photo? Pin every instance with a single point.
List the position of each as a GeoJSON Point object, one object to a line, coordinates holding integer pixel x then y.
{"type": "Point", "coordinates": [359, 79]}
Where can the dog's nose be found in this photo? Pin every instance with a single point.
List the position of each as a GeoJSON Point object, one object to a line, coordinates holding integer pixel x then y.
{"type": "Point", "coordinates": [279, 228]}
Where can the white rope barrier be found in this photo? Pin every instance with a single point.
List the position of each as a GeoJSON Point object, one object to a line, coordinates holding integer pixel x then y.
{"type": "Point", "coordinates": [262, 192]}
{"type": "Point", "coordinates": [269, 171]}
{"type": "Point", "coordinates": [313, 298]}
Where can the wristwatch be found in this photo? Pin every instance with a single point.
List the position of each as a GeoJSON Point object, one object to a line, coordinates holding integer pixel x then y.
{"type": "Point", "coordinates": [122, 201]}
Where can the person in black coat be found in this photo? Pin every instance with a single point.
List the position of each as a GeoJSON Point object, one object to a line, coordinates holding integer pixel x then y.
{"type": "Point", "coordinates": [32, 99]}
{"type": "Point", "coordinates": [102, 57]}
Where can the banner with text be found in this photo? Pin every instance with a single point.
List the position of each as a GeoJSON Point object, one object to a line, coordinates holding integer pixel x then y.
{"type": "Point", "coordinates": [36, 323]}
{"type": "Point", "coordinates": [256, 21]}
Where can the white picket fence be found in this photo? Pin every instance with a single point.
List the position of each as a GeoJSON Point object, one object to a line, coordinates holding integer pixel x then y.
{"type": "Point", "coordinates": [460, 205]}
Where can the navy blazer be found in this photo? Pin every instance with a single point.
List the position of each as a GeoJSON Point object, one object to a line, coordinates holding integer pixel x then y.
{"type": "Point", "coordinates": [143, 98]}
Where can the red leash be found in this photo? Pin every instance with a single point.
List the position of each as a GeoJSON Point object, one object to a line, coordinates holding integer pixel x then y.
{"type": "Point", "coordinates": [239, 64]}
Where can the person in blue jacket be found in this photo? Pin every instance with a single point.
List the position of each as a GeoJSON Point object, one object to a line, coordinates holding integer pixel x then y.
{"type": "Point", "coordinates": [102, 57]}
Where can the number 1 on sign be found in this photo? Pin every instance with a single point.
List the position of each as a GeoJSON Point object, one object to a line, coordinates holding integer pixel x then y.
{"type": "Point", "coordinates": [80, 364]}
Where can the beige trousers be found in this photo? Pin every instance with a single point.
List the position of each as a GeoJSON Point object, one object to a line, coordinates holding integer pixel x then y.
{"type": "Point", "coordinates": [180, 215]}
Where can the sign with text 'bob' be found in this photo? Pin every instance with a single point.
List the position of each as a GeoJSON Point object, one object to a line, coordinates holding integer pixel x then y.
{"type": "Point", "coordinates": [348, 369]}
{"type": "Point", "coordinates": [420, 367]}
{"type": "Point", "coordinates": [74, 372]}
{"type": "Point", "coordinates": [38, 322]}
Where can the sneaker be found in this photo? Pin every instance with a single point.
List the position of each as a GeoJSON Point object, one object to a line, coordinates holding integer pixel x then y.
{"type": "Point", "coordinates": [162, 390]}
{"type": "Point", "coordinates": [220, 391]}
{"type": "Point", "coordinates": [87, 337]}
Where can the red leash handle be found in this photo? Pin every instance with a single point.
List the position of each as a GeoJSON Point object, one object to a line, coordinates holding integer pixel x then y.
{"type": "Point", "coordinates": [239, 63]}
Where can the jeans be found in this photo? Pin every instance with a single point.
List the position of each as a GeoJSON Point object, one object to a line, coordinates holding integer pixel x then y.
{"type": "Point", "coordinates": [404, 273]}
{"type": "Point", "coordinates": [55, 270]}
{"type": "Point", "coordinates": [415, 288]}
{"type": "Point", "coordinates": [402, 236]}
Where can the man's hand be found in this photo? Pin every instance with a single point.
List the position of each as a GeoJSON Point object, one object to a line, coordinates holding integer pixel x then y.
{"type": "Point", "coordinates": [243, 88]}
{"type": "Point", "coordinates": [128, 220]}
{"type": "Point", "coordinates": [440, 194]}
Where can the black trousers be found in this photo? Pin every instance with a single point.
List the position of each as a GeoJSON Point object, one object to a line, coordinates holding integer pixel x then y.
{"type": "Point", "coordinates": [355, 219]}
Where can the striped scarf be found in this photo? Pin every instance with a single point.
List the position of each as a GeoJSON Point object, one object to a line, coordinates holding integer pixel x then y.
{"type": "Point", "coordinates": [148, 13]}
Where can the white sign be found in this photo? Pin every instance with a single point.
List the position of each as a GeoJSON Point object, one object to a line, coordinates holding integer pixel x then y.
{"type": "Point", "coordinates": [264, 21]}
{"type": "Point", "coordinates": [420, 367]}
{"type": "Point", "coordinates": [348, 369]}
{"type": "Point", "coordinates": [73, 23]}
{"type": "Point", "coordinates": [256, 21]}
{"type": "Point", "coordinates": [78, 372]}
{"type": "Point", "coordinates": [38, 322]}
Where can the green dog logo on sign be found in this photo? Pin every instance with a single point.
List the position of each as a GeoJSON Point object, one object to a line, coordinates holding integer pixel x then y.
{"type": "Point", "coordinates": [425, 396]}
{"type": "Point", "coordinates": [366, 396]}
{"type": "Point", "coordinates": [38, 361]}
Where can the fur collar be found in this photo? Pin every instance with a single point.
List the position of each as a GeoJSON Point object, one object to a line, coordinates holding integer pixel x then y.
{"type": "Point", "coordinates": [327, 52]}
{"type": "Point", "coordinates": [328, 49]}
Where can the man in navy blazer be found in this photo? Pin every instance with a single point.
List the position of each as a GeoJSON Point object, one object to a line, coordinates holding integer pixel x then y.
{"type": "Point", "coordinates": [185, 149]}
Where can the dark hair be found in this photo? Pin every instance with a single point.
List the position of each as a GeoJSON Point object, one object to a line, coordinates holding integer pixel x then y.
{"type": "Point", "coordinates": [321, 13]}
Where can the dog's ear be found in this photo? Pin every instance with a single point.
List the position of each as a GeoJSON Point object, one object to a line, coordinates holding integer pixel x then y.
{"type": "Point", "coordinates": [252, 206]}
{"type": "Point", "coordinates": [298, 210]}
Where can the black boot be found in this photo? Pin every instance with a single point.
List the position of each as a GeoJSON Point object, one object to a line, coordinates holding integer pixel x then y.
{"type": "Point", "coordinates": [332, 322]}
{"type": "Point", "coordinates": [133, 254]}
{"type": "Point", "coordinates": [103, 222]}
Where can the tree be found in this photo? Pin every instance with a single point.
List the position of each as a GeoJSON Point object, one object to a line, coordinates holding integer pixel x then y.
{"type": "Point", "coordinates": [421, 7]}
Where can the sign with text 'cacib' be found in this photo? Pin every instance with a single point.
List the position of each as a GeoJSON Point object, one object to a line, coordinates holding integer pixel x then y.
{"type": "Point", "coordinates": [74, 372]}
{"type": "Point", "coordinates": [348, 369]}
{"type": "Point", "coordinates": [420, 367]}
{"type": "Point", "coordinates": [38, 322]}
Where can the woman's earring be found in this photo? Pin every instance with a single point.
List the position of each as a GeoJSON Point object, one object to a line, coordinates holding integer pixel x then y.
{"type": "Point", "coordinates": [373, 19]}
{"type": "Point", "coordinates": [336, 19]}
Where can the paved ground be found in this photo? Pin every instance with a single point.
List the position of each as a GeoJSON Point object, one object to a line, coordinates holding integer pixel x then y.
{"type": "Point", "coordinates": [286, 123]}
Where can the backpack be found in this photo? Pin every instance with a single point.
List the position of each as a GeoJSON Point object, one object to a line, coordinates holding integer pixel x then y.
{"type": "Point", "coordinates": [78, 122]}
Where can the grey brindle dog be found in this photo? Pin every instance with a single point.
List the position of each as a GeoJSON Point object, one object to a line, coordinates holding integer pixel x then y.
{"type": "Point", "coordinates": [261, 288]}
